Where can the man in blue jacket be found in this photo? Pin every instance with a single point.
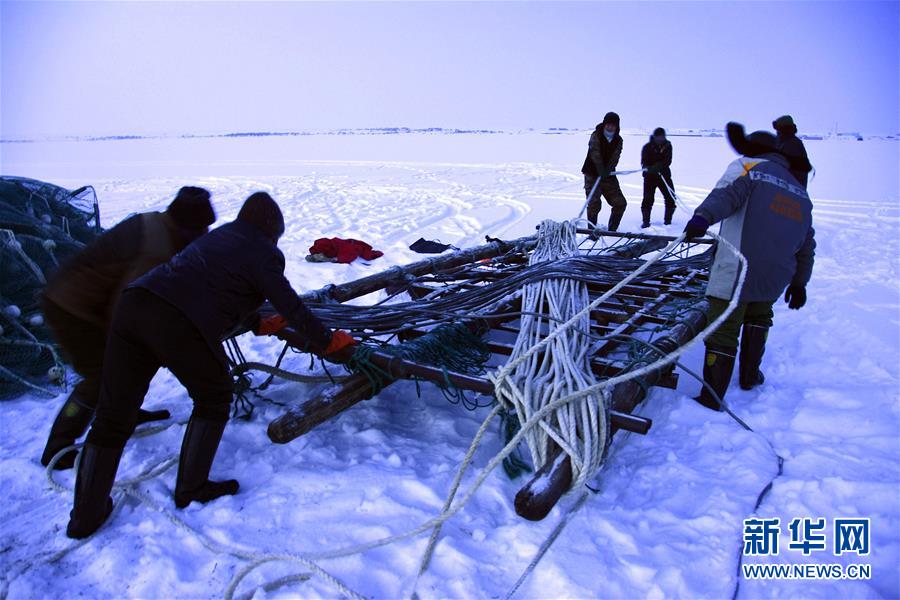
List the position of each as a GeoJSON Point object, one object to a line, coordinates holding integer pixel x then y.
{"type": "Point", "coordinates": [767, 214]}
{"type": "Point", "coordinates": [174, 317]}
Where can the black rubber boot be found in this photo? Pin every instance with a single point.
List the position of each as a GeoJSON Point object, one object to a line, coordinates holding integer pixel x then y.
{"type": "Point", "coordinates": [753, 346]}
{"type": "Point", "coordinates": [96, 474]}
{"type": "Point", "coordinates": [718, 366]}
{"type": "Point", "coordinates": [70, 424]}
{"type": "Point", "coordinates": [201, 441]}
{"type": "Point", "coordinates": [645, 213]}
{"type": "Point", "coordinates": [615, 217]}
{"type": "Point", "coordinates": [670, 212]}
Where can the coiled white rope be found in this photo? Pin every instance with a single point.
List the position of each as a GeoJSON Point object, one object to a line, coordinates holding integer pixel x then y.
{"type": "Point", "coordinates": [533, 379]}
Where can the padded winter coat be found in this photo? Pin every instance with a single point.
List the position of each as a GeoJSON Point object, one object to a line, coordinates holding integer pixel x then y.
{"type": "Point", "coordinates": [89, 285]}
{"type": "Point", "coordinates": [659, 156]}
{"type": "Point", "coordinates": [222, 278]}
{"type": "Point", "coordinates": [767, 215]}
{"type": "Point", "coordinates": [603, 155]}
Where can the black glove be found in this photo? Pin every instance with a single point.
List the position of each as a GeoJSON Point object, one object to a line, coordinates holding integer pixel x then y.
{"type": "Point", "coordinates": [696, 227]}
{"type": "Point", "coordinates": [654, 170]}
{"type": "Point", "coordinates": [795, 296]}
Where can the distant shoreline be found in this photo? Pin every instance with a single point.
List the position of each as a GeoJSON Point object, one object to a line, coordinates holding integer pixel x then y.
{"type": "Point", "coordinates": [415, 131]}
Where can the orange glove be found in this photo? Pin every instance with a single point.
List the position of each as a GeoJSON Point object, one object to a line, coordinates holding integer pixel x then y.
{"type": "Point", "coordinates": [340, 349]}
{"type": "Point", "coordinates": [271, 325]}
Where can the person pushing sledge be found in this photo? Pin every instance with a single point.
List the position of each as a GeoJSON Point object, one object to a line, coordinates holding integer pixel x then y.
{"type": "Point", "coordinates": [81, 296]}
{"type": "Point", "coordinates": [174, 317]}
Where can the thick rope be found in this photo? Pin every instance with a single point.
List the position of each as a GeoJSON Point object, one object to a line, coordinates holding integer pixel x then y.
{"type": "Point", "coordinates": [533, 380]}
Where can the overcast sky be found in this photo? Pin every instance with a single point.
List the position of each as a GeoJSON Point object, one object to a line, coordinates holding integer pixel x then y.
{"type": "Point", "coordinates": [141, 67]}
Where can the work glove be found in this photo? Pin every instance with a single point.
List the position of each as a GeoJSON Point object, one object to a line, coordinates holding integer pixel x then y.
{"type": "Point", "coordinates": [341, 348]}
{"type": "Point", "coordinates": [695, 228]}
{"type": "Point", "coordinates": [795, 296]}
{"type": "Point", "coordinates": [270, 325]}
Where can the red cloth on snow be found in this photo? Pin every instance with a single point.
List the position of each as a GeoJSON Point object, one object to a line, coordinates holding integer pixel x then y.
{"type": "Point", "coordinates": [346, 251]}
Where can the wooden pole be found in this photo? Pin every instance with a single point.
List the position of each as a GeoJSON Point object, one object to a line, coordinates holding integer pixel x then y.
{"type": "Point", "coordinates": [357, 388]}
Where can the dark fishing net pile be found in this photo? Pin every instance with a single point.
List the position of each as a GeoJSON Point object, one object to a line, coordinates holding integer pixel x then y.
{"type": "Point", "coordinates": [41, 225]}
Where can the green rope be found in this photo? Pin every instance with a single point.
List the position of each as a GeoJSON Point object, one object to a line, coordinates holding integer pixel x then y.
{"type": "Point", "coordinates": [450, 347]}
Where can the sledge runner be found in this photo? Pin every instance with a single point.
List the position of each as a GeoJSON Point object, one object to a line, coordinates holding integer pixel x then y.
{"type": "Point", "coordinates": [767, 215]}
{"type": "Point", "coordinates": [174, 317]}
{"type": "Point", "coordinates": [656, 157]}
{"type": "Point", "coordinates": [80, 298]}
{"type": "Point", "coordinates": [604, 150]}
{"type": "Point", "coordinates": [792, 145]}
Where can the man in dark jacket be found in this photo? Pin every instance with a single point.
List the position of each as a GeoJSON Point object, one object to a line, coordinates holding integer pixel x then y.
{"type": "Point", "coordinates": [791, 145]}
{"type": "Point", "coordinates": [656, 159]}
{"type": "Point", "coordinates": [604, 150]}
{"type": "Point", "coordinates": [81, 296]}
{"type": "Point", "coordinates": [174, 317]}
{"type": "Point", "coordinates": [767, 215]}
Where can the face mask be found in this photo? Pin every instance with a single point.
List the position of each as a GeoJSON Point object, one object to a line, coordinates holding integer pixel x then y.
{"type": "Point", "coordinates": [609, 134]}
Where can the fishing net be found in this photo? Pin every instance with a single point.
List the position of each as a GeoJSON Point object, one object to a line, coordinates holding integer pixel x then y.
{"type": "Point", "coordinates": [41, 225]}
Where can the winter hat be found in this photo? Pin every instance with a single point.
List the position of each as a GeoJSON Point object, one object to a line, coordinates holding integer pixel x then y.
{"type": "Point", "coordinates": [784, 123]}
{"type": "Point", "coordinates": [659, 131]}
{"type": "Point", "coordinates": [611, 117]}
{"type": "Point", "coordinates": [261, 211]}
{"type": "Point", "coordinates": [761, 142]}
{"type": "Point", "coordinates": [191, 208]}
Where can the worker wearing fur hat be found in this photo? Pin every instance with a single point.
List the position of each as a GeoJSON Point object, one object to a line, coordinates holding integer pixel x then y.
{"type": "Point", "coordinates": [767, 215]}
{"type": "Point", "coordinates": [604, 150]}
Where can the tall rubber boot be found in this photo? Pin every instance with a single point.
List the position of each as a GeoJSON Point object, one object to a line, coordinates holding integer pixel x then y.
{"type": "Point", "coordinates": [201, 441]}
{"type": "Point", "coordinates": [70, 424]}
{"type": "Point", "coordinates": [718, 366]}
{"type": "Point", "coordinates": [645, 213]}
{"type": "Point", "coordinates": [96, 474]}
{"type": "Point", "coordinates": [615, 217]}
{"type": "Point", "coordinates": [670, 212]}
{"type": "Point", "coordinates": [753, 346]}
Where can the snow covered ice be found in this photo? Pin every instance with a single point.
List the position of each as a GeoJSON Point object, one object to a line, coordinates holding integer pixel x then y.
{"type": "Point", "coordinates": [667, 520]}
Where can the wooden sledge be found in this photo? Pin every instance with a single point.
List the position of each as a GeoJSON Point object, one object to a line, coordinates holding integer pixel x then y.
{"type": "Point", "coordinates": [639, 307]}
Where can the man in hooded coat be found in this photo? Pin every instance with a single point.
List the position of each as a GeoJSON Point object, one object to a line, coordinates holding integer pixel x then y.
{"type": "Point", "coordinates": [80, 299]}
{"type": "Point", "coordinates": [174, 317]}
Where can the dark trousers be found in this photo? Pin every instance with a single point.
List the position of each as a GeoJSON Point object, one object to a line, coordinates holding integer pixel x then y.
{"type": "Point", "coordinates": [148, 333]}
{"type": "Point", "coordinates": [652, 182]}
{"type": "Point", "coordinates": [83, 345]}
{"type": "Point", "coordinates": [747, 313]}
{"type": "Point", "coordinates": [609, 190]}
